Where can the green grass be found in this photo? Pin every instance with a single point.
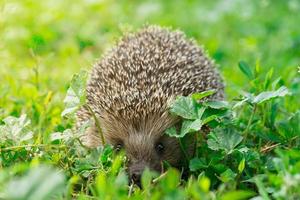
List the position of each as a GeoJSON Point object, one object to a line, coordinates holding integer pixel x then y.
{"type": "Point", "coordinates": [256, 46]}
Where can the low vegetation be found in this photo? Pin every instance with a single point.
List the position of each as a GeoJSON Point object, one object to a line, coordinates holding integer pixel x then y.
{"type": "Point", "coordinates": [248, 147]}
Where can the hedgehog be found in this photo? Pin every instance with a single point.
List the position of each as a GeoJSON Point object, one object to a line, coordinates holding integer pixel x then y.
{"type": "Point", "coordinates": [130, 90]}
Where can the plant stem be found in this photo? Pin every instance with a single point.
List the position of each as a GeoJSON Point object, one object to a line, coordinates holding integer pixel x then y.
{"type": "Point", "coordinates": [246, 132]}
{"type": "Point", "coordinates": [183, 150]}
{"type": "Point", "coordinates": [159, 178]}
{"type": "Point", "coordinates": [130, 191]}
{"type": "Point", "coordinates": [196, 144]}
{"type": "Point", "coordinates": [35, 69]}
{"type": "Point", "coordinates": [97, 123]}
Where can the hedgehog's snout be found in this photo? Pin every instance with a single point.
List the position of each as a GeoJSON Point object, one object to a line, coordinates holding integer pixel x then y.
{"type": "Point", "coordinates": [136, 171]}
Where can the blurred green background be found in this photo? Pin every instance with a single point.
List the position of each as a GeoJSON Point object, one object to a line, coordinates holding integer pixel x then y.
{"type": "Point", "coordinates": [44, 42]}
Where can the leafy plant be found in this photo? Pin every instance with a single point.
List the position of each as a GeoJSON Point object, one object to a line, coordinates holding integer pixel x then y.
{"type": "Point", "coordinates": [247, 146]}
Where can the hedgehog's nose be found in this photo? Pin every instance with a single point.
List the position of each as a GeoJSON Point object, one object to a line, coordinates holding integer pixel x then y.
{"type": "Point", "coordinates": [136, 178]}
{"type": "Point", "coordinates": [136, 171]}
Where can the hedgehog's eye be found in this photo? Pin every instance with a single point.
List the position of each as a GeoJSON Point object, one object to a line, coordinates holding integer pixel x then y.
{"type": "Point", "coordinates": [159, 148]}
{"type": "Point", "coordinates": [118, 147]}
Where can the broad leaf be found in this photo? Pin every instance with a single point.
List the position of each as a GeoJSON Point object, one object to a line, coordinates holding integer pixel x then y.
{"type": "Point", "coordinates": [227, 176]}
{"type": "Point", "coordinates": [40, 183]}
{"type": "Point", "coordinates": [197, 164]}
{"type": "Point", "coordinates": [190, 126]}
{"type": "Point", "coordinates": [16, 129]}
{"type": "Point", "coordinates": [265, 96]}
{"type": "Point", "coordinates": [217, 104]}
{"type": "Point", "coordinates": [225, 140]}
{"type": "Point", "coordinates": [76, 93]}
{"type": "Point", "coordinates": [171, 131]}
{"type": "Point", "coordinates": [184, 107]}
{"type": "Point", "coordinates": [65, 136]}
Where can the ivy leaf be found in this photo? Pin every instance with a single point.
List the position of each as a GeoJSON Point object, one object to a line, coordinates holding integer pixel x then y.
{"type": "Point", "coordinates": [245, 68]}
{"type": "Point", "coordinates": [76, 93]}
{"type": "Point", "coordinates": [184, 107]}
{"type": "Point", "coordinates": [225, 140]}
{"type": "Point", "coordinates": [265, 96]}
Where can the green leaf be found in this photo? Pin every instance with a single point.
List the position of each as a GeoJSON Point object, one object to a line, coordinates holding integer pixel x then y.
{"type": "Point", "coordinates": [204, 183]}
{"type": "Point", "coordinates": [261, 188]}
{"type": "Point", "coordinates": [121, 180]}
{"type": "Point", "coordinates": [225, 140]}
{"type": "Point", "coordinates": [65, 136]}
{"type": "Point", "coordinates": [240, 103]}
{"type": "Point", "coordinates": [184, 107]}
{"type": "Point", "coordinates": [257, 67]}
{"type": "Point", "coordinates": [147, 178]}
{"type": "Point", "coordinates": [197, 164]}
{"type": "Point", "coordinates": [268, 78]}
{"type": "Point", "coordinates": [241, 166]}
{"type": "Point", "coordinates": [265, 96]}
{"type": "Point", "coordinates": [76, 93]}
{"type": "Point", "coordinates": [244, 67]}
{"type": "Point", "coordinates": [217, 104]}
{"type": "Point", "coordinates": [117, 164]}
{"type": "Point", "coordinates": [201, 95]}
{"type": "Point", "coordinates": [106, 153]}
{"type": "Point", "coordinates": [170, 181]}
{"type": "Point", "coordinates": [40, 183]}
{"type": "Point", "coordinates": [190, 126]}
{"type": "Point", "coordinates": [237, 195]}
{"type": "Point", "coordinates": [227, 176]}
{"type": "Point", "coordinates": [290, 127]}
{"type": "Point", "coordinates": [172, 132]}
{"type": "Point", "coordinates": [16, 129]}
{"type": "Point", "coordinates": [209, 119]}
{"type": "Point", "coordinates": [200, 111]}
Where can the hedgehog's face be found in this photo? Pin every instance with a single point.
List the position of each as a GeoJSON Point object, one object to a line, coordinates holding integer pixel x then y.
{"type": "Point", "coordinates": [148, 150]}
{"type": "Point", "coordinates": [144, 141]}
